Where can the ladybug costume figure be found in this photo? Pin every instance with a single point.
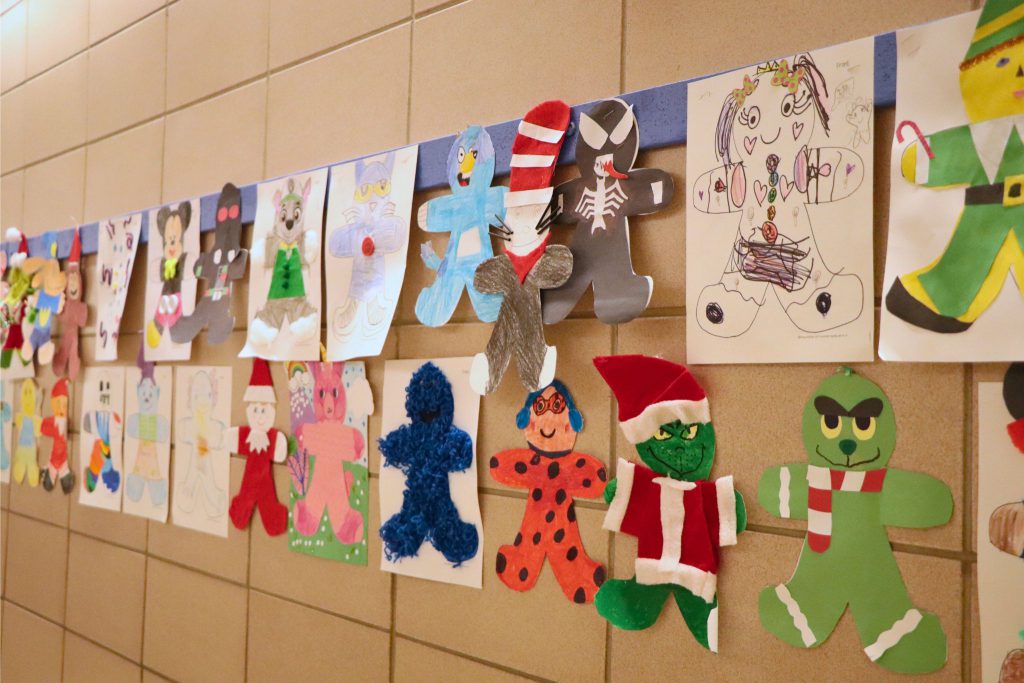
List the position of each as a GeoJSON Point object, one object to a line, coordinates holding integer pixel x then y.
{"type": "Point", "coordinates": [555, 475]}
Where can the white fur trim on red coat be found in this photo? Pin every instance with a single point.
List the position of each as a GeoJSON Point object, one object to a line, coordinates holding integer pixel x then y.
{"type": "Point", "coordinates": [726, 494]}
{"type": "Point", "coordinates": [623, 489]}
{"type": "Point", "coordinates": [645, 425]}
{"type": "Point", "coordinates": [258, 394]}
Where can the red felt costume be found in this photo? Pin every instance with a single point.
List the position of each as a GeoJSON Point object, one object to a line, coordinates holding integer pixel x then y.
{"type": "Point", "coordinates": [549, 527]}
{"type": "Point", "coordinates": [679, 526]}
{"type": "Point", "coordinates": [258, 486]}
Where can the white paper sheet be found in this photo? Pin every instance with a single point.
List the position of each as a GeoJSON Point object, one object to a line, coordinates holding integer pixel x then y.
{"type": "Point", "coordinates": [779, 251]}
{"type": "Point", "coordinates": [365, 247]}
{"type": "Point", "coordinates": [1000, 575]}
{"type": "Point", "coordinates": [202, 466]}
{"type": "Point", "coordinates": [100, 478]}
{"type": "Point", "coordinates": [429, 563]}
{"type": "Point", "coordinates": [273, 333]}
{"type": "Point", "coordinates": [921, 220]}
{"type": "Point", "coordinates": [6, 428]}
{"type": "Point", "coordinates": [178, 237]}
{"type": "Point", "coordinates": [118, 242]}
{"type": "Point", "coordinates": [147, 442]}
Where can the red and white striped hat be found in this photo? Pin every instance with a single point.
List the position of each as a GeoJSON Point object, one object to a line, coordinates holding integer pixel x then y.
{"type": "Point", "coordinates": [13, 234]}
{"type": "Point", "coordinates": [535, 152]}
{"type": "Point", "coordinates": [652, 392]}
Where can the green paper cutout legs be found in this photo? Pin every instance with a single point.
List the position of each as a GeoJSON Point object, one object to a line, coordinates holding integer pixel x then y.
{"type": "Point", "coordinates": [849, 497]}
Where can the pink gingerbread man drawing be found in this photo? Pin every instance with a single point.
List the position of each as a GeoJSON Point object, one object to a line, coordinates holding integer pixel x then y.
{"type": "Point", "coordinates": [332, 443]}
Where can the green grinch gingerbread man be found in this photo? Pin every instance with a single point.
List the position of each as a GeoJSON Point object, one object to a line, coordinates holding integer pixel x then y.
{"type": "Point", "coordinates": [987, 157]}
{"type": "Point", "coordinates": [848, 497]}
{"type": "Point", "coordinates": [679, 516]}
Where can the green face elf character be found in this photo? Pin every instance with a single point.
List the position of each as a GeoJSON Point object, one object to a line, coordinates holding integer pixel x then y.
{"type": "Point", "coordinates": [986, 157]}
{"type": "Point", "coordinates": [679, 517]}
{"type": "Point", "coordinates": [848, 497]}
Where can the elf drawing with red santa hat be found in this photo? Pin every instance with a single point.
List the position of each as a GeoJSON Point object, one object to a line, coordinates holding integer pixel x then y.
{"type": "Point", "coordinates": [680, 518]}
{"type": "Point", "coordinates": [528, 264]}
{"type": "Point", "coordinates": [261, 445]}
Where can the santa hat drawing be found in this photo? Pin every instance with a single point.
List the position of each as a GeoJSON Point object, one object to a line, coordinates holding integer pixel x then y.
{"type": "Point", "coordinates": [535, 153]}
{"type": "Point", "coordinates": [60, 388]}
{"type": "Point", "coordinates": [76, 250]}
{"type": "Point", "coordinates": [15, 235]}
{"type": "Point", "coordinates": [652, 392]}
{"type": "Point", "coordinates": [261, 385]}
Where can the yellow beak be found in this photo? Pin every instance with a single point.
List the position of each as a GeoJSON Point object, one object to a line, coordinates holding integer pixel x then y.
{"type": "Point", "coordinates": [466, 167]}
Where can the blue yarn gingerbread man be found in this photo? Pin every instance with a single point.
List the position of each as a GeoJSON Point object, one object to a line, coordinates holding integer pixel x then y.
{"type": "Point", "coordinates": [426, 451]}
{"type": "Point", "coordinates": [467, 213]}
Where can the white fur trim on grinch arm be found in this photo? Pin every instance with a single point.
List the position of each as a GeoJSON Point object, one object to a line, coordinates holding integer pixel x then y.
{"type": "Point", "coordinates": [726, 494]}
{"type": "Point", "coordinates": [623, 489]}
{"type": "Point", "coordinates": [713, 630]}
{"type": "Point", "coordinates": [799, 618]}
{"type": "Point", "coordinates": [699, 582]}
{"type": "Point", "coordinates": [889, 638]}
{"type": "Point", "coordinates": [645, 425]}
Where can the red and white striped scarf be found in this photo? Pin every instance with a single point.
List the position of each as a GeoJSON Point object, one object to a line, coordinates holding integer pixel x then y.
{"type": "Point", "coordinates": [821, 482]}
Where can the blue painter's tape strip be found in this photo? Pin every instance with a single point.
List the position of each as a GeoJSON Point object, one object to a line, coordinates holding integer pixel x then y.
{"type": "Point", "coordinates": [660, 112]}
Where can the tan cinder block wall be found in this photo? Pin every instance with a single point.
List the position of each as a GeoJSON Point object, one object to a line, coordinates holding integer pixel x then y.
{"type": "Point", "coordinates": [115, 105]}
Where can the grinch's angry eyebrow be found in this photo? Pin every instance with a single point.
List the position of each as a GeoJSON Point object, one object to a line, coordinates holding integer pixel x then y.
{"type": "Point", "coordinates": [869, 407]}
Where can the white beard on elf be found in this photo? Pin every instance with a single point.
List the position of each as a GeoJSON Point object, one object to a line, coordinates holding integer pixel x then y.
{"type": "Point", "coordinates": [679, 516]}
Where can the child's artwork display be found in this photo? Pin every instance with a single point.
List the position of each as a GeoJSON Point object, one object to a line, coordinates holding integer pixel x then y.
{"type": "Point", "coordinates": [219, 268]}
{"type": "Point", "coordinates": [44, 305]}
{"type": "Point", "coordinates": [1000, 528]}
{"type": "Point", "coordinates": [170, 279]}
{"type": "Point", "coordinates": [849, 495]}
{"type": "Point", "coordinates": [328, 405]}
{"type": "Point", "coordinates": [27, 429]}
{"type": "Point", "coordinates": [284, 277]}
{"type": "Point", "coordinates": [467, 215]}
{"type": "Point", "coordinates": [119, 240]}
{"type": "Point", "coordinates": [6, 428]}
{"type": "Point", "coordinates": [13, 309]}
{"type": "Point", "coordinates": [429, 510]}
{"type": "Point", "coordinates": [956, 217]}
{"type": "Point", "coordinates": [779, 217]}
{"type": "Point", "coordinates": [600, 202]}
{"type": "Point", "coordinates": [101, 437]}
{"type": "Point", "coordinates": [261, 444]}
{"type": "Point", "coordinates": [147, 439]}
{"type": "Point", "coordinates": [368, 213]}
{"type": "Point", "coordinates": [527, 264]}
{"type": "Point", "coordinates": [555, 475]}
{"type": "Point", "coordinates": [55, 428]}
{"type": "Point", "coordinates": [202, 467]}
{"type": "Point", "coordinates": [67, 359]}
{"type": "Point", "coordinates": [680, 517]}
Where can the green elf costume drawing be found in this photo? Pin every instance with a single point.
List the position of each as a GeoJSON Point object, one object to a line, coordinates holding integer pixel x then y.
{"type": "Point", "coordinates": [986, 156]}
{"type": "Point", "coordinates": [848, 496]}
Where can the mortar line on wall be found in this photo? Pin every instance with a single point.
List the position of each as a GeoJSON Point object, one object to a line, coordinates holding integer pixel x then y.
{"type": "Point", "coordinates": [472, 658]}
{"type": "Point", "coordinates": [362, 37]}
{"type": "Point", "coordinates": [622, 46]}
{"type": "Point", "coordinates": [393, 589]}
{"type": "Point", "coordinates": [408, 84]}
{"type": "Point", "coordinates": [967, 493]}
{"type": "Point", "coordinates": [79, 53]}
{"type": "Point", "coordinates": [321, 610]}
{"type": "Point", "coordinates": [438, 9]}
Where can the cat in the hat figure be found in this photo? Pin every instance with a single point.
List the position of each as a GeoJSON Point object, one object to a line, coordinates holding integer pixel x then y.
{"type": "Point", "coordinates": [849, 496]}
{"type": "Point", "coordinates": [67, 360]}
{"type": "Point", "coordinates": [555, 474]}
{"type": "Point", "coordinates": [986, 158]}
{"type": "Point", "coordinates": [466, 215]}
{"type": "Point", "coordinates": [261, 444]}
{"type": "Point", "coordinates": [600, 202]}
{"type": "Point", "coordinates": [680, 517]}
{"type": "Point", "coordinates": [14, 305]}
{"type": "Point", "coordinates": [528, 263]}
{"type": "Point", "coordinates": [55, 427]}
{"type": "Point", "coordinates": [772, 169]}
